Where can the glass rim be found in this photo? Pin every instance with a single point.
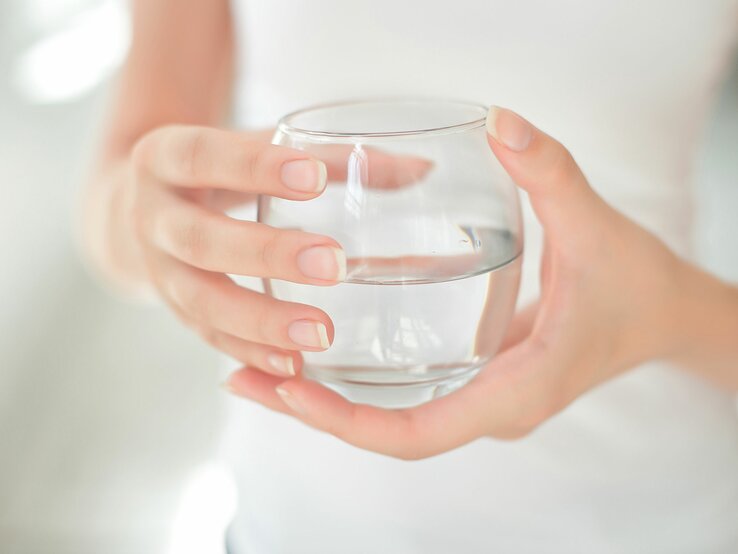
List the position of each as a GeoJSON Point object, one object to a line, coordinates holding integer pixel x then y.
{"type": "Point", "coordinates": [286, 126]}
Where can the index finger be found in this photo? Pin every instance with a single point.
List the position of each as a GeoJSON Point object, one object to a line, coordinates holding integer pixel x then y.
{"type": "Point", "coordinates": [408, 434]}
{"type": "Point", "coordinates": [191, 156]}
{"type": "Point", "coordinates": [490, 404]}
{"type": "Point", "coordinates": [481, 407]}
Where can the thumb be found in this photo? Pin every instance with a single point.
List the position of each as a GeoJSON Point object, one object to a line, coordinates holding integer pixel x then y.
{"type": "Point", "coordinates": [559, 193]}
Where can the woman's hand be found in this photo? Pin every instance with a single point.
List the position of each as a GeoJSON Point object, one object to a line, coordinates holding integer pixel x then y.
{"type": "Point", "coordinates": [153, 209]}
{"type": "Point", "coordinates": [178, 175]}
{"type": "Point", "coordinates": [610, 299]}
{"type": "Point", "coordinates": [181, 178]}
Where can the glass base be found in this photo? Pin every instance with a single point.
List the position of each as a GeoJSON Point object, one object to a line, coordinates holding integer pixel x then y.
{"type": "Point", "coordinates": [393, 388]}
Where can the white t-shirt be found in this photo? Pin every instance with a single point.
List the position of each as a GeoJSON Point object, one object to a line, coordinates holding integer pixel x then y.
{"type": "Point", "coordinates": [645, 463]}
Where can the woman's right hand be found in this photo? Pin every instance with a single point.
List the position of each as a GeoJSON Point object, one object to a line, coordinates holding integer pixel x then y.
{"type": "Point", "coordinates": [188, 245]}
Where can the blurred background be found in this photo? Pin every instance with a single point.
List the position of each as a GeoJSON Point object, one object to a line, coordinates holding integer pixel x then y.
{"type": "Point", "coordinates": [110, 411]}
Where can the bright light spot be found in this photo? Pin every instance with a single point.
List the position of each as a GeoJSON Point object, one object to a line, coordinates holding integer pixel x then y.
{"type": "Point", "coordinates": [208, 504]}
{"type": "Point", "coordinates": [65, 65]}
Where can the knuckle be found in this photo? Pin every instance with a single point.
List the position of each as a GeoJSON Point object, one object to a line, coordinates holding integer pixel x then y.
{"type": "Point", "coordinates": [252, 160]}
{"type": "Point", "coordinates": [262, 324]}
{"type": "Point", "coordinates": [141, 212]}
{"type": "Point", "coordinates": [191, 157]}
{"type": "Point", "coordinates": [191, 243]}
{"type": "Point", "coordinates": [562, 168]}
{"type": "Point", "coordinates": [268, 253]}
{"type": "Point", "coordinates": [542, 340]}
{"type": "Point", "coordinates": [145, 149]}
{"type": "Point", "coordinates": [141, 152]}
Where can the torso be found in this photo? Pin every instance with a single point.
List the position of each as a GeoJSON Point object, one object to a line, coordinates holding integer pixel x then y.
{"type": "Point", "coordinates": [644, 463]}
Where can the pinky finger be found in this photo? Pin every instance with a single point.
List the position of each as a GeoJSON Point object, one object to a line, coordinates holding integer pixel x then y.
{"type": "Point", "coordinates": [259, 387]}
{"type": "Point", "coordinates": [276, 361]}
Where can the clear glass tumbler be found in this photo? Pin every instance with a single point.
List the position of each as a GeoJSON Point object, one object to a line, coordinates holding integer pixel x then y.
{"type": "Point", "coordinates": [431, 227]}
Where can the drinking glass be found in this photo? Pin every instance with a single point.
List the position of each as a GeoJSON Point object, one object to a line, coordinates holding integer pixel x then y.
{"type": "Point", "coordinates": [431, 227]}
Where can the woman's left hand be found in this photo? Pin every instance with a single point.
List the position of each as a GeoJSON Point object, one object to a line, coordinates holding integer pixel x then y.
{"type": "Point", "coordinates": [610, 299]}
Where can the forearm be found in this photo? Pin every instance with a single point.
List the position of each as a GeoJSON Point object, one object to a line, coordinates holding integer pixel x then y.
{"type": "Point", "coordinates": [707, 341]}
{"type": "Point", "coordinates": [179, 70]}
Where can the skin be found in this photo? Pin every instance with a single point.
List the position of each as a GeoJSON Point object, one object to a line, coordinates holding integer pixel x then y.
{"type": "Point", "coordinates": [612, 297]}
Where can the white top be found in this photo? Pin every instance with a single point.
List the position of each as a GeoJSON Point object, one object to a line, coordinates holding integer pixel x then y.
{"type": "Point", "coordinates": [647, 462]}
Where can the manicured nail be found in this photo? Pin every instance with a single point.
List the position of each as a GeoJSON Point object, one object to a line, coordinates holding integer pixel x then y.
{"type": "Point", "coordinates": [290, 400]}
{"type": "Point", "coordinates": [311, 334]}
{"type": "Point", "coordinates": [283, 365]}
{"type": "Point", "coordinates": [509, 128]}
{"type": "Point", "coordinates": [323, 262]}
{"type": "Point", "coordinates": [304, 175]}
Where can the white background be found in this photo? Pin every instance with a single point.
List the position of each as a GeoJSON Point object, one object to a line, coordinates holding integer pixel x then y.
{"type": "Point", "coordinates": [107, 409]}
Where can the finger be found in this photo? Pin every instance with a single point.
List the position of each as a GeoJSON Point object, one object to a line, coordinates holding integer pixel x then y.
{"type": "Point", "coordinates": [282, 363]}
{"type": "Point", "coordinates": [216, 242]}
{"type": "Point", "coordinates": [383, 170]}
{"type": "Point", "coordinates": [366, 427]}
{"type": "Point", "coordinates": [404, 434]}
{"type": "Point", "coordinates": [422, 267]}
{"type": "Point", "coordinates": [212, 300]}
{"type": "Point", "coordinates": [224, 200]}
{"type": "Point", "coordinates": [492, 404]}
{"type": "Point", "coordinates": [256, 385]}
{"type": "Point", "coordinates": [559, 192]}
{"type": "Point", "coordinates": [199, 157]}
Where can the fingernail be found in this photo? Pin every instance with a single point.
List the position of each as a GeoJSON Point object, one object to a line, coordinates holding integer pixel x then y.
{"type": "Point", "coordinates": [509, 128]}
{"type": "Point", "coordinates": [282, 364]}
{"type": "Point", "coordinates": [323, 262]}
{"type": "Point", "coordinates": [290, 400]}
{"type": "Point", "coordinates": [311, 334]}
{"type": "Point", "coordinates": [304, 175]}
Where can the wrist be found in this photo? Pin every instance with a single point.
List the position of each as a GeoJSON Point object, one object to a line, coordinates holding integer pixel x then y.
{"type": "Point", "coordinates": [653, 330]}
{"type": "Point", "coordinates": [705, 340]}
